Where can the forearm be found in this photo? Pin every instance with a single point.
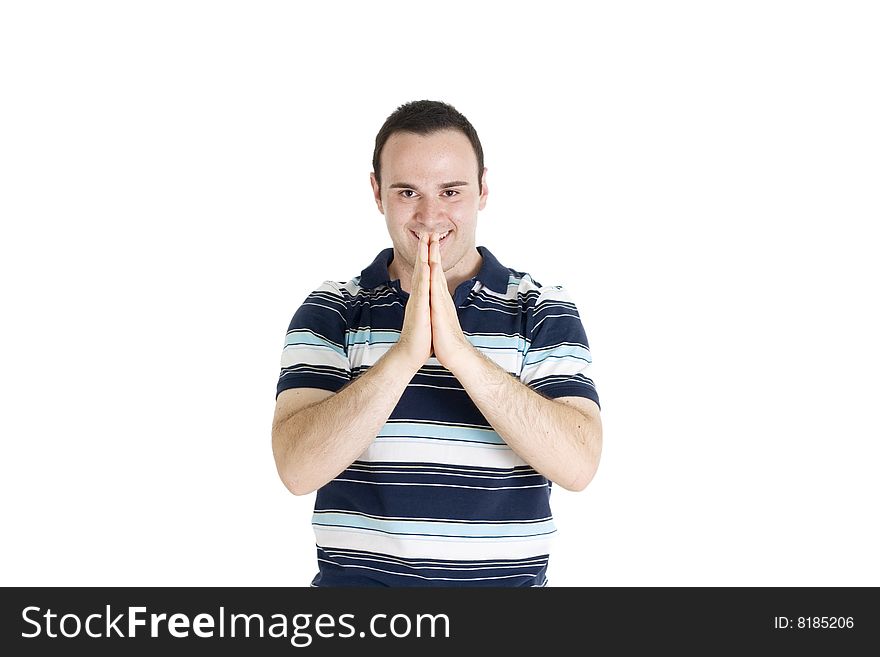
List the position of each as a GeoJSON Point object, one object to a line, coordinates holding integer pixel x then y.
{"type": "Point", "coordinates": [320, 441]}
{"type": "Point", "coordinates": [557, 440]}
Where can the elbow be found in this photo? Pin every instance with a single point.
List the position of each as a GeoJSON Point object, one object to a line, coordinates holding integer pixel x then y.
{"type": "Point", "coordinates": [294, 480]}
{"type": "Point", "coordinates": [298, 487]}
{"type": "Point", "coordinates": [588, 464]}
{"type": "Point", "coordinates": [581, 480]}
{"type": "Point", "coordinates": [293, 476]}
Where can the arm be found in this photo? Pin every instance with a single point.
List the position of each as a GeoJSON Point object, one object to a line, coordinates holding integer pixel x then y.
{"type": "Point", "coordinates": [313, 445]}
{"type": "Point", "coordinates": [560, 439]}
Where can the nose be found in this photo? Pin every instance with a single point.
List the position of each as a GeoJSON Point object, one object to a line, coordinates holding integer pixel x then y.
{"type": "Point", "coordinates": [430, 214]}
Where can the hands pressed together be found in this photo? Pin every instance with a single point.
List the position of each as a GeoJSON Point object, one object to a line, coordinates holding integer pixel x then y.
{"type": "Point", "coordinates": [430, 323]}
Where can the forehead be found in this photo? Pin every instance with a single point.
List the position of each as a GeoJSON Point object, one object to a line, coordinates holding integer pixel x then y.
{"type": "Point", "coordinates": [441, 153]}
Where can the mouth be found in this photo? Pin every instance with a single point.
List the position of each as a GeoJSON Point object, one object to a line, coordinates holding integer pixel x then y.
{"type": "Point", "coordinates": [443, 239]}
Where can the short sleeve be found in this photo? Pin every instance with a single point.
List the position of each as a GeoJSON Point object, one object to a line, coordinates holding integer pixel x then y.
{"type": "Point", "coordinates": [557, 360]}
{"type": "Point", "coordinates": [314, 353]}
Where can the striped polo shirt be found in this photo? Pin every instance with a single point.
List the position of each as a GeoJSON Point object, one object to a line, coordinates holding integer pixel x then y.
{"type": "Point", "coordinates": [438, 498]}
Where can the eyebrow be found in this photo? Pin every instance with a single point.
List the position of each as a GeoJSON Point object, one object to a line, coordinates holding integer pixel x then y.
{"type": "Point", "coordinates": [405, 185]}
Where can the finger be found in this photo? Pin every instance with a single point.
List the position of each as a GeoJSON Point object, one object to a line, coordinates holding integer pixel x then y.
{"type": "Point", "coordinates": [425, 268]}
{"type": "Point", "coordinates": [423, 246]}
{"type": "Point", "coordinates": [435, 248]}
{"type": "Point", "coordinates": [437, 267]}
{"type": "Point", "coordinates": [421, 251]}
{"type": "Point", "coordinates": [417, 266]}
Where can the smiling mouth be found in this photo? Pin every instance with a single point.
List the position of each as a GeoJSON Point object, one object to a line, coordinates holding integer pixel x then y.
{"type": "Point", "coordinates": [442, 239]}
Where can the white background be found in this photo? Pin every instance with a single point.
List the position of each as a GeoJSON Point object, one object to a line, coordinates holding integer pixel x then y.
{"type": "Point", "coordinates": [176, 177]}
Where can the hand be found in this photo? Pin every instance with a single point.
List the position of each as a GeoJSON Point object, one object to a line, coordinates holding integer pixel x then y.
{"type": "Point", "coordinates": [415, 336]}
{"type": "Point", "coordinates": [450, 343]}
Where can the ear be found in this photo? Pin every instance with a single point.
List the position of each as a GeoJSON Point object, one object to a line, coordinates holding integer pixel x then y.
{"type": "Point", "coordinates": [377, 194]}
{"type": "Point", "coordinates": [485, 193]}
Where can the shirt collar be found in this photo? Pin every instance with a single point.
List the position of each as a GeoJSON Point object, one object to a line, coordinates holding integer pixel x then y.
{"type": "Point", "coordinates": [492, 273]}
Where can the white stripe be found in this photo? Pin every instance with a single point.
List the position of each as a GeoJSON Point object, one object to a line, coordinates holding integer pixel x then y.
{"type": "Point", "coordinates": [552, 293]}
{"type": "Point", "coordinates": [540, 321]}
{"type": "Point", "coordinates": [403, 483]}
{"type": "Point", "coordinates": [429, 563]}
{"type": "Point", "coordinates": [442, 473]}
{"type": "Point", "coordinates": [477, 522]}
{"type": "Point", "coordinates": [373, 304]}
{"type": "Point", "coordinates": [513, 304]}
{"type": "Point", "coordinates": [320, 373]}
{"type": "Point", "coordinates": [441, 469]}
{"type": "Point", "coordinates": [448, 579]}
{"type": "Point", "coordinates": [412, 450]}
{"type": "Point", "coordinates": [379, 293]}
{"type": "Point", "coordinates": [432, 547]}
{"type": "Point", "coordinates": [520, 566]}
{"type": "Point", "coordinates": [439, 374]}
{"type": "Point", "coordinates": [432, 564]}
{"type": "Point", "coordinates": [527, 284]}
{"type": "Point", "coordinates": [565, 367]}
{"type": "Point", "coordinates": [308, 354]}
{"type": "Point", "coordinates": [329, 297]}
{"type": "Point", "coordinates": [349, 286]}
{"type": "Point", "coordinates": [367, 355]}
{"type": "Point", "coordinates": [321, 305]}
{"type": "Point", "coordinates": [495, 310]}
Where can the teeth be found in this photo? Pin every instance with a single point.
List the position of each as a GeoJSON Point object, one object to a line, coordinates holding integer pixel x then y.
{"type": "Point", "coordinates": [441, 236]}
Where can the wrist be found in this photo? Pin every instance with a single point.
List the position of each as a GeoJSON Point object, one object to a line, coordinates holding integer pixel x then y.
{"type": "Point", "coordinates": [403, 361]}
{"type": "Point", "coordinates": [464, 361]}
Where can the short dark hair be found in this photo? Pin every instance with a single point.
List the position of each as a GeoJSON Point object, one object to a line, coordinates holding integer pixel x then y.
{"type": "Point", "coordinates": [424, 117]}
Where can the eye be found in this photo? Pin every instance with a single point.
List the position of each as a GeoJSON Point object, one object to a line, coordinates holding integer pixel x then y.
{"type": "Point", "coordinates": [452, 192]}
{"type": "Point", "coordinates": [405, 193]}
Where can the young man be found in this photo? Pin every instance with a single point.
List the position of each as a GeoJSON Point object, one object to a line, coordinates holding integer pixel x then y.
{"type": "Point", "coordinates": [432, 399]}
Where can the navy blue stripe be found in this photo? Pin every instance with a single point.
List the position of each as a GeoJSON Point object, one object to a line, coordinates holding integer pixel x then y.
{"type": "Point", "coordinates": [351, 568]}
{"type": "Point", "coordinates": [422, 502]}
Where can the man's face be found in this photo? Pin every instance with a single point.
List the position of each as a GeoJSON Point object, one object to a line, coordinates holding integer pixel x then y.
{"type": "Point", "coordinates": [429, 184]}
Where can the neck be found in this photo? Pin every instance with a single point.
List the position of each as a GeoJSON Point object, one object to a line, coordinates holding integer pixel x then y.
{"type": "Point", "coordinates": [466, 268]}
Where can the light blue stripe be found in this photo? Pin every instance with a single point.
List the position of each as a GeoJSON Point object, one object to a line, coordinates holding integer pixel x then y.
{"type": "Point", "coordinates": [306, 339]}
{"type": "Point", "coordinates": [412, 430]}
{"type": "Point", "coordinates": [460, 443]}
{"type": "Point", "coordinates": [433, 528]}
{"type": "Point", "coordinates": [366, 335]}
{"type": "Point", "coordinates": [562, 351]}
{"type": "Point", "coordinates": [514, 342]}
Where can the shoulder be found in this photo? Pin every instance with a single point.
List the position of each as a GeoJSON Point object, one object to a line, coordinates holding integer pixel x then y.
{"type": "Point", "coordinates": [349, 297]}
{"type": "Point", "coordinates": [532, 294]}
{"type": "Point", "coordinates": [541, 304]}
{"type": "Point", "coordinates": [326, 300]}
{"type": "Point", "coordinates": [338, 291]}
